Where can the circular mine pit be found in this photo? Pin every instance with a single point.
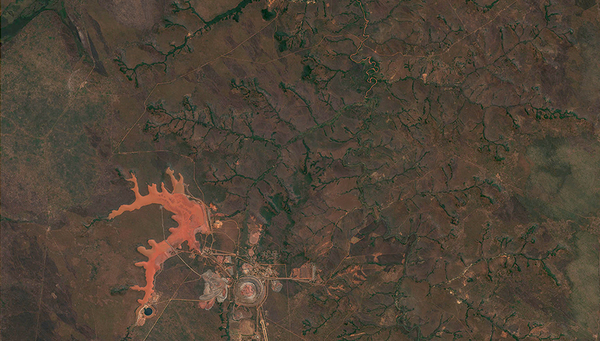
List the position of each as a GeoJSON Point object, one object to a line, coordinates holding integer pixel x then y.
{"type": "Point", "coordinates": [249, 291]}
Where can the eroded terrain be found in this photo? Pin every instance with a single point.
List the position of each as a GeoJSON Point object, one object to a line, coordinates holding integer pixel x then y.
{"type": "Point", "coordinates": [386, 170]}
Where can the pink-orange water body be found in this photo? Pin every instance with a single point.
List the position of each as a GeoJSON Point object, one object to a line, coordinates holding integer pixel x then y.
{"type": "Point", "coordinates": [191, 217]}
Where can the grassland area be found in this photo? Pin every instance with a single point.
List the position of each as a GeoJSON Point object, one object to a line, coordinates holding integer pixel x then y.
{"type": "Point", "coordinates": [433, 166]}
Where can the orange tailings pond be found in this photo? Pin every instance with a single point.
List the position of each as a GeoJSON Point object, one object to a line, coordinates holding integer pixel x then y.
{"type": "Point", "coordinates": [190, 215]}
